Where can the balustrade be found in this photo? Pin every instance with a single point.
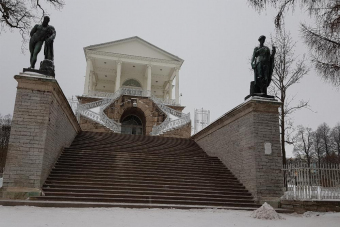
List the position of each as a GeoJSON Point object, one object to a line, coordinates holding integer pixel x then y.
{"type": "Point", "coordinates": [108, 98]}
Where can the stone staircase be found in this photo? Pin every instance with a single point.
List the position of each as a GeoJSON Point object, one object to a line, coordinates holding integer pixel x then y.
{"type": "Point", "coordinates": [109, 169]}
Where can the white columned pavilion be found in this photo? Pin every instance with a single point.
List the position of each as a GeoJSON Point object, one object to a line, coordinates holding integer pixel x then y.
{"type": "Point", "coordinates": [132, 63]}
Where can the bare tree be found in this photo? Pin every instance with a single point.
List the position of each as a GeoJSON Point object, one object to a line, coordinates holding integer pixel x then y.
{"type": "Point", "coordinates": [323, 37]}
{"type": "Point", "coordinates": [5, 130]}
{"type": "Point", "coordinates": [19, 14]}
{"type": "Point", "coordinates": [319, 153]}
{"type": "Point", "coordinates": [325, 138]}
{"type": "Point", "coordinates": [303, 144]}
{"type": "Point", "coordinates": [288, 71]}
{"type": "Point", "coordinates": [336, 139]}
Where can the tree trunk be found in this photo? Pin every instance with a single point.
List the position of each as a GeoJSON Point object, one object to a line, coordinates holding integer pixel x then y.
{"type": "Point", "coordinates": [283, 147]}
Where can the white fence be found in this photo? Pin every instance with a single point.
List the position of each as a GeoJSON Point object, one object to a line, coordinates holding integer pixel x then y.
{"type": "Point", "coordinates": [312, 183]}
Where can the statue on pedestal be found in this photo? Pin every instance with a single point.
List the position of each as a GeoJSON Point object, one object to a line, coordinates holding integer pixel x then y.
{"type": "Point", "coordinates": [263, 64]}
{"type": "Point", "coordinates": [39, 34]}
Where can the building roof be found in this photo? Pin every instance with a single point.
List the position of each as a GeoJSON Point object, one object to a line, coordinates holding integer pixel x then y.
{"type": "Point", "coordinates": [91, 47]}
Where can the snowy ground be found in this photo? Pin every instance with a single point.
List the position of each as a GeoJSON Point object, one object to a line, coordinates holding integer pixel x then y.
{"type": "Point", "coordinates": [100, 217]}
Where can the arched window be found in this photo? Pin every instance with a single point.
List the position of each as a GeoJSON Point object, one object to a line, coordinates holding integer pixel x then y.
{"type": "Point", "coordinates": [132, 83]}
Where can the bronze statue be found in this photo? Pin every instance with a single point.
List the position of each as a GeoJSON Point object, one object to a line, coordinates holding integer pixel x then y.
{"type": "Point", "coordinates": [263, 64]}
{"type": "Point", "coordinates": [39, 34]}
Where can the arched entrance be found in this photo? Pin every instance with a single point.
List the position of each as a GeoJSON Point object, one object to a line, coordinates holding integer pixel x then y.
{"type": "Point", "coordinates": [133, 121]}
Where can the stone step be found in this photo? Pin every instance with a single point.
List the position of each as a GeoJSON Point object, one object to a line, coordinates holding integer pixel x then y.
{"type": "Point", "coordinates": [150, 201]}
{"type": "Point", "coordinates": [177, 152]}
{"type": "Point", "coordinates": [129, 158]}
{"type": "Point", "coordinates": [154, 160]}
{"type": "Point", "coordinates": [160, 176]}
{"type": "Point", "coordinates": [81, 204]}
{"type": "Point", "coordinates": [228, 194]}
{"type": "Point", "coordinates": [146, 184]}
{"type": "Point", "coordinates": [101, 180]}
{"type": "Point", "coordinates": [134, 145]}
{"type": "Point", "coordinates": [129, 172]}
{"type": "Point", "coordinates": [152, 196]}
{"type": "Point", "coordinates": [155, 188]}
{"type": "Point", "coordinates": [140, 167]}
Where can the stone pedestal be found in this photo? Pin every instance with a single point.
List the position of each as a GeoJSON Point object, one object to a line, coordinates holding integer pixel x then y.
{"type": "Point", "coordinates": [247, 140]}
{"type": "Point", "coordinates": [43, 124]}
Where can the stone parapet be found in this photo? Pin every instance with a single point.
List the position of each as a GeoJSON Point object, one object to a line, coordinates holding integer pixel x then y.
{"type": "Point", "coordinates": [43, 124]}
{"type": "Point", "coordinates": [247, 140]}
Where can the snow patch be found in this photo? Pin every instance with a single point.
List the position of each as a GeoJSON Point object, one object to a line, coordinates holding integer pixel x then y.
{"type": "Point", "coordinates": [309, 214]}
{"type": "Point", "coordinates": [266, 212]}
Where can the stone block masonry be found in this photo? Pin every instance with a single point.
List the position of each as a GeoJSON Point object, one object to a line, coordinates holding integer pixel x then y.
{"type": "Point", "coordinates": [247, 140]}
{"type": "Point", "coordinates": [43, 124]}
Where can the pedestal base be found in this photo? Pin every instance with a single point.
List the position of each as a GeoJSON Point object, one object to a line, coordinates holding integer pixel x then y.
{"type": "Point", "coordinates": [260, 95]}
{"type": "Point", "coordinates": [46, 68]}
{"type": "Point", "coordinates": [256, 91]}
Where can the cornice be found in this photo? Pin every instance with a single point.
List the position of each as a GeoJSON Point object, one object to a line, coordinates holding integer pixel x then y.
{"type": "Point", "coordinates": [125, 56]}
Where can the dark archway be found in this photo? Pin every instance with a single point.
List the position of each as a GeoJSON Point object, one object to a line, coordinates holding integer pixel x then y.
{"type": "Point", "coordinates": [133, 121]}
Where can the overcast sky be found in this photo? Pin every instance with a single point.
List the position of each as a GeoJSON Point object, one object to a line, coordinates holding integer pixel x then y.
{"type": "Point", "coordinates": [215, 39]}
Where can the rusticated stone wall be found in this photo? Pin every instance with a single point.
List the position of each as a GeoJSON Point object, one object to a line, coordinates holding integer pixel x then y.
{"type": "Point", "coordinates": [43, 124]}
{"type": "Point", "coordinates": [241, 139]}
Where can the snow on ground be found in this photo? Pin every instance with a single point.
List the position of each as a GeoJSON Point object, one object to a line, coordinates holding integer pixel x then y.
{"type": "Point", "coordinates": [266, 212]}
{"type": "Point", "coordinates": [120, 217]}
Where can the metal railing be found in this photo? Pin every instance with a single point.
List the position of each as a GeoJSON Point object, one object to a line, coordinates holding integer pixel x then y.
{"type": "Point", "coordinates": [169, 124]}
{"type": "Point", "coordinates": [303, 182]}
{"type": "Point", "coordinates": [108, 98]}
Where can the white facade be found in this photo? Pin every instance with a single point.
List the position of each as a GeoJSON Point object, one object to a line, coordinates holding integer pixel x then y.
{"type": "Point", "coordinates": [132, 62]}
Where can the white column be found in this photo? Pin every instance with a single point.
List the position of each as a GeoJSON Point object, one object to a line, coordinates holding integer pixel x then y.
{"type": "Point", "coordinates": [119, 72]}
{"type": "Point", "coordinates": [164, 94]}
{"type": "Point", "coordinates": [148, 83]}
{"type": "Point", "coordinates": [89, 68]}
{"type": "Point", "coordinates": [177, 87]}
{"type": "Point", "coordinates": [170, 90]}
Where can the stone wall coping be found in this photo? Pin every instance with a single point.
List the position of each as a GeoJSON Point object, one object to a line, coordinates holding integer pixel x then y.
{"type": "Point", "coordinates": [244, 108]}
{"type": "Point", "coordinates": [41, 82]}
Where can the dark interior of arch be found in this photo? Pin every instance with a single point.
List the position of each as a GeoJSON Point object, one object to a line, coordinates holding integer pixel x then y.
{"type": "Point", "coordinates": [133, 121]}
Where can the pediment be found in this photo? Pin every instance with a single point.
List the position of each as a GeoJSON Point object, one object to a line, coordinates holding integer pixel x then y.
{"type": "Point", "coordinates": [134, 46]}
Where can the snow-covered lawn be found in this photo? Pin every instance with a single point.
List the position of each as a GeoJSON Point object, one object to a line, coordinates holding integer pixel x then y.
{"type": "Point", "coordinates": [98, 217]}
